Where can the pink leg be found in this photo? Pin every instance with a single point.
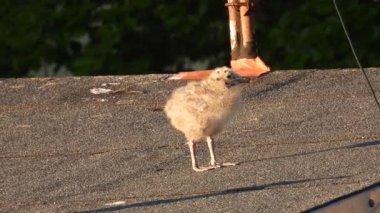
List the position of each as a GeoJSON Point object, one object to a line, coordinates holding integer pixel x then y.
{"type": "Point", "coordinates": [194, 160]}
{"type": "Point", "coordinates": [213, 162]}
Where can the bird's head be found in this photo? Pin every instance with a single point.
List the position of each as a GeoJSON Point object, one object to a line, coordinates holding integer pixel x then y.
{"type": "Point", "coordinates": [227, 77]}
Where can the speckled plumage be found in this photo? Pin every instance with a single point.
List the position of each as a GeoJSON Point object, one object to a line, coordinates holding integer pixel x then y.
{"type": "Point", "coordinates": [201, 109]}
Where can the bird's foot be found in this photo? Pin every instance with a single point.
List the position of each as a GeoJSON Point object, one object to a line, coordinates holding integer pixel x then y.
{"type": "Point", "coordinates": [203, 168]}
{"type": "Point", "coordinates": [230, 163]}
{"type": "Point", "coordinates": [214, 165]}
{"type": "Point", "coordinates": [218, 165]}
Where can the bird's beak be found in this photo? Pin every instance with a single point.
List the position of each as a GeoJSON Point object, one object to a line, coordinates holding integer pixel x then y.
{"type": "Point", "coordinates": [238, 80]}
{"type": "Point", "coordinates": [243, 80]}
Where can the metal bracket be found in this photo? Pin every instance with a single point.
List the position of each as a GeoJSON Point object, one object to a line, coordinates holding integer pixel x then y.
{"type": "Point", "coordinates": [249, 3]}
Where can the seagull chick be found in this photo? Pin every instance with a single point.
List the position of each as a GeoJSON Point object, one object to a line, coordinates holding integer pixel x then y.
{"type": "Point", "coordinates": [201, 109]}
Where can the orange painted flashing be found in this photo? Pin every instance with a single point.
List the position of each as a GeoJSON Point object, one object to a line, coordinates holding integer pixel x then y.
{"type": "Point", "coordinates": [247, 67]}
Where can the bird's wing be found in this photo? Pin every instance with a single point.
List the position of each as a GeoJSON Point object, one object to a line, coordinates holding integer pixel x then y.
{"type": "Point", "coordinates": [195, 95]}
{"type": "Point", "coordinates": [194, 88]}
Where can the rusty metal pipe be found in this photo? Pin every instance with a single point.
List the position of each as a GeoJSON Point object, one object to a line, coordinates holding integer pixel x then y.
{"type": "Point", "coordinates": [249, 47]}
{"type": "Point", "coordinates": [244, 58]}
{"type": "Point", "coordinates": [235, 28]}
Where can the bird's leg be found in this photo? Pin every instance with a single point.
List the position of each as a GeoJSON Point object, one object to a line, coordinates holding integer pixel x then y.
{"type": "Point", "coordinates": [213, 162]}
{"type": "Point", "coordinates": [194, 160]}
{"type": "Point", "coordinates": [210, 145]}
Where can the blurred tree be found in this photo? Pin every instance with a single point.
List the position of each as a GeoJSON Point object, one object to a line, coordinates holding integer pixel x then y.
{"type": "Point", "coordinates": [297, 35]}
{"type": "Point", "coordinates": [98, 37]}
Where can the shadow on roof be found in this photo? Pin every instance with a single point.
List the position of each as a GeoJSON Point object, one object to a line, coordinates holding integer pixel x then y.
{"type": "Point", "coordinates": [353, 146]}
{"type": "Point", "coordinates": [231, 191]}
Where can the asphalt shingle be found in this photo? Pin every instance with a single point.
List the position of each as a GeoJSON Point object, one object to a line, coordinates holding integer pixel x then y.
{"type": "Point", "coordinates": [302, 137]}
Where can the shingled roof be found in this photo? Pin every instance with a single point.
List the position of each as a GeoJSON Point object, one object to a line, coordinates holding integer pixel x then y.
{"type": "Point", "coordinates": [97, 144]}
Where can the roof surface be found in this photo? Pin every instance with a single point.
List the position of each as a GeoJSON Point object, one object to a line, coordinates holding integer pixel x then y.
{"type": "Point", "coordinates": [302, 137]}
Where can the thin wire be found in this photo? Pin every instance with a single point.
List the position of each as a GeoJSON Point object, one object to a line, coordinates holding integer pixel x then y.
{"type": "Point", "coordinates": [354, 52]}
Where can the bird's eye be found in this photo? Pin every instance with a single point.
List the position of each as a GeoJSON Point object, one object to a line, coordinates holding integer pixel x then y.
{"type": "Point", "coordinates": [229, 76]}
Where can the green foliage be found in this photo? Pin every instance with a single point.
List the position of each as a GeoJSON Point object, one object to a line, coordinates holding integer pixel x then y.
{"type": "Point", "coordinates": [309, 35]}
{"type": "Point", "coordinates": [98, 37]}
